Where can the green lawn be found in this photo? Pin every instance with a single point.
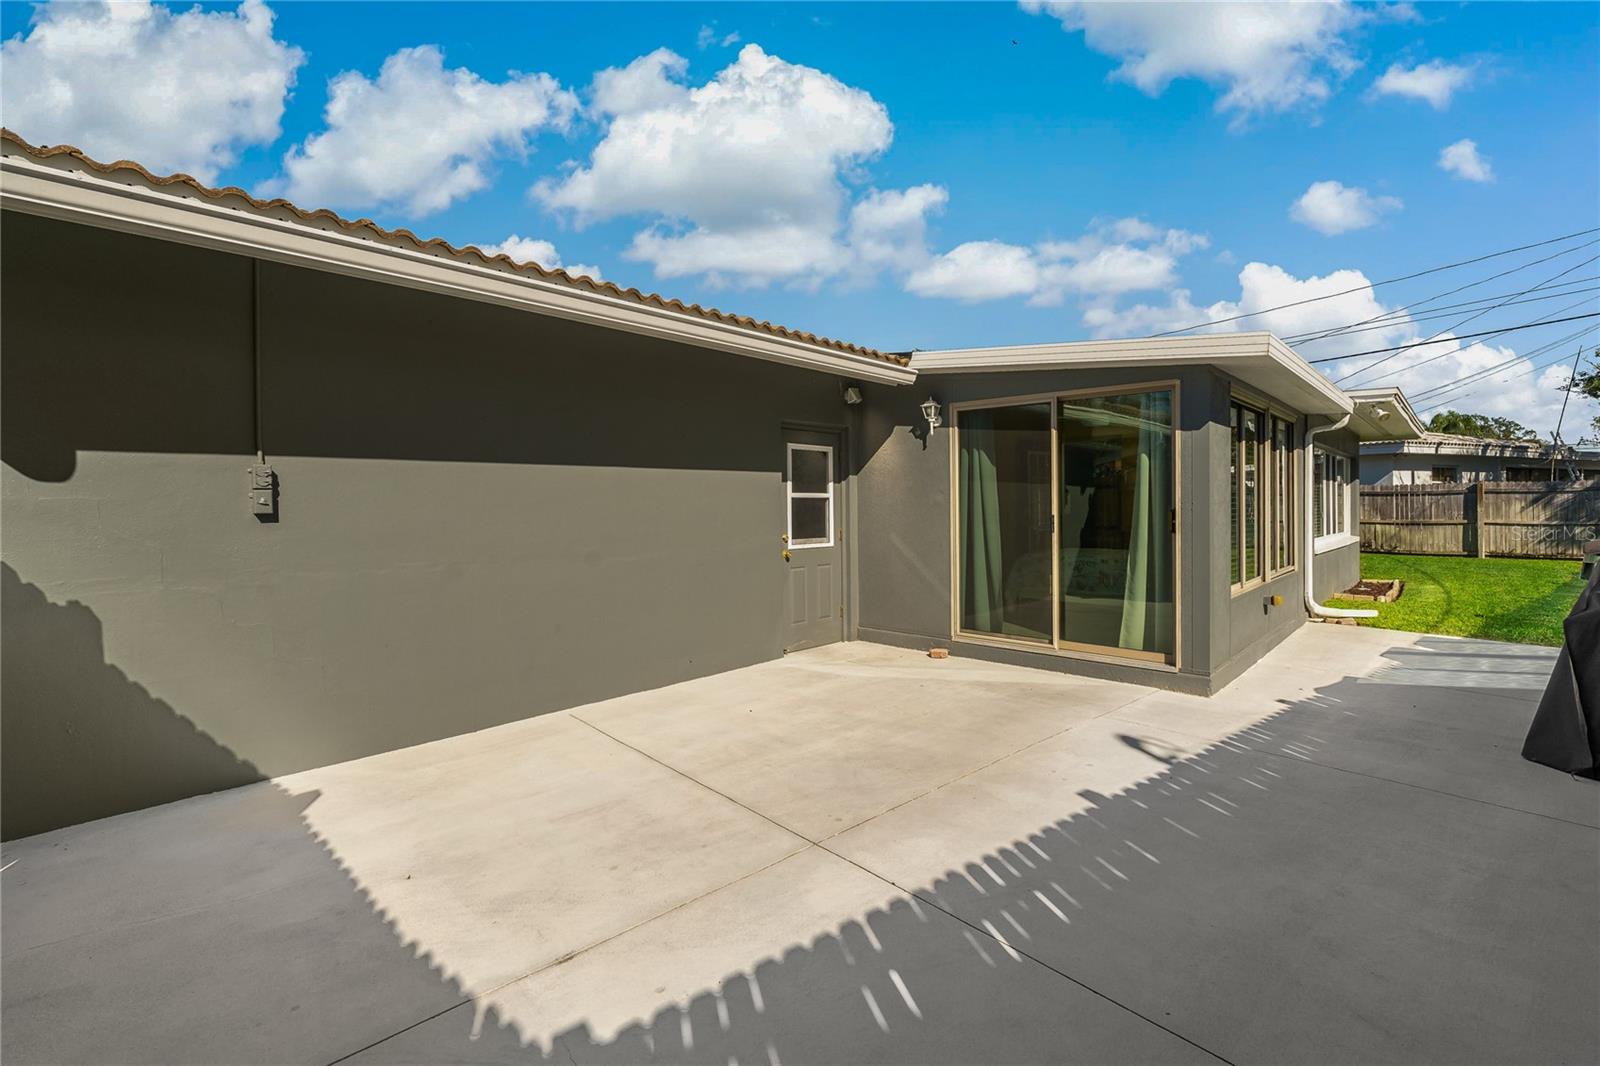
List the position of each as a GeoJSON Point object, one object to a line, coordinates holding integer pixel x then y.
{"type": "Point", "coordinates": [1520, 600]}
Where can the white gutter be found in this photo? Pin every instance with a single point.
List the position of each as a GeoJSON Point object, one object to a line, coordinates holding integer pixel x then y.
{"type": "Point", "coordinates": [133, 207]}
{"type": "Point", "coordinates": [1313, 608]}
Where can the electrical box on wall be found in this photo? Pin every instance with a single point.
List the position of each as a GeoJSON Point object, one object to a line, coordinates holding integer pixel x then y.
{"type": "Point", "coordinates": [263, 491]}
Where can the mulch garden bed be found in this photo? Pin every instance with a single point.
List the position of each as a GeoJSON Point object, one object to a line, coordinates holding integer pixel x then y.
{"type": "Point", "coordinates": [1378, 591]}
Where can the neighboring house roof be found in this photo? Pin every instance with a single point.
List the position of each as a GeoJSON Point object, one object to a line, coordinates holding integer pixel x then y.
{"type": "Point", "coordinates": [1257, 359]}
{"type": "Point", "coordinates": [1458, 444]}
{"type": "Point", "coordinates": [64, 182]}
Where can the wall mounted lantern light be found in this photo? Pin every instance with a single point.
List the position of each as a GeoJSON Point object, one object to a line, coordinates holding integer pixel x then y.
{"type": "Point", "coordinates": [930, 411]}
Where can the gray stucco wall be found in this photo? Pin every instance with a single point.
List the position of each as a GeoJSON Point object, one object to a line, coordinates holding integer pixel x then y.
{"type": "Point", "coordinates": [485, 515]}
{"type": "Point", "coordinates": [904, 490]}
{"type": "Point", "coordinates": [905, 525]}
{"type": "Point", "coordinates": [1338, 569]}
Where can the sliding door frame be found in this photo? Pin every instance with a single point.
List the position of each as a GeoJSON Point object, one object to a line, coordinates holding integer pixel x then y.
{"type": "Point", "coordinates": [1057, 646]}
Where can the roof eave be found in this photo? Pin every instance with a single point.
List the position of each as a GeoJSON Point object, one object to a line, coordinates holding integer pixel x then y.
{"type": "Point", "coordinates": [31, 186]}
{"type": "Point", "coordinates": [1258, 359]}
{"type": "Point", "coordinates": [1384, 414]}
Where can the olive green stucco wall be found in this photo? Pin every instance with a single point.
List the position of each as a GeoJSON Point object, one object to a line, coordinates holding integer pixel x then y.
{"type": "Point", "coordinates": [484, 515]}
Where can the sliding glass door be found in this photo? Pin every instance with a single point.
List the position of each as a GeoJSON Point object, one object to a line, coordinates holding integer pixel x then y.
{"type": "Point", "coordinates": [1117, 534]}
{"type": "Point", "coordinates": [1082, 556]}
{"type": "Point", "coordinates": [1004, 521]}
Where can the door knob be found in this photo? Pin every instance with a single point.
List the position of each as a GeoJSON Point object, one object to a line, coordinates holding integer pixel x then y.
{"type": "Point", "coordinates": [786, 555]}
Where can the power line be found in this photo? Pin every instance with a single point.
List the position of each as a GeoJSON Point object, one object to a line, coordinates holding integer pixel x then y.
{"type": "Point", "coordinates": [1458, 397]}
{"type": "Point", "coordinates": [1462, 288]}
{"type": "Point", "coordinates": [1525, 357]}
{"type": "Point", "coordinates": [1399, 316]}
{"type": "Point", "coordinates": [1446, 340]}
{"type": "Point", "coordinates": [1549, 319]}
{"type": "Point", "coordinates": [1450, 309]}
{"type": "Point", "coordinates": [1467, 386]}
{"type": "Point", "coordinates": [1440, 392]}
{"type": "Point", "coordinates": [1450, 329]}
{"type": "Point", "coordinates": [1386, 281]}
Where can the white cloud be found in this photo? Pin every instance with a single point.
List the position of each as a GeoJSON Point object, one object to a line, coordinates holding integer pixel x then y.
{"type": "Point", "coordinates": [977, 270]}
{"type": "Point", "coordinates": [1462, 160]}
{"type": "Point", "coordinates": [646, 83]}
{"type": "Point", "coordinates": [1435, 81]}
{"type": "Point", "coordinates": [420, 137]}
{"type": "Point", "coordinates": [890, 227]}
{"type": "Point", "coordinates": [533, 250]}
{"type": "Point", "coordinates": [749, 254]}
{"type": "Point", "coordinates": [1331, 208]}
{"type": "Point", "coordinates": [1266, 57]}
{"type": "Point", "coordinates": [708, 36]}
{"type": "Point", "coordinates": [182, 91]}
{"type": "Point", "coordinates": [743, 177]}
{"type": "Point", "coordinates": [1319, 303]}
{"type": "Point", "coordinates": [1113, 258]}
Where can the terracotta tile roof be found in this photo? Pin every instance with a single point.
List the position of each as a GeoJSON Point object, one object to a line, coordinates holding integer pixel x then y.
{"type": "Point", "coordinates": [235, 196]}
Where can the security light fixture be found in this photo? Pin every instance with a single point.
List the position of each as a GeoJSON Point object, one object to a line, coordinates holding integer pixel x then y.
{"type": "Point", "coordinates": [930, 411]}
{"type": "Point", "coordinates": [852, 394]}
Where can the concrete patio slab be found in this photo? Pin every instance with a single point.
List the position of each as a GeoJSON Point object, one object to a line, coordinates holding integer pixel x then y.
{"type": "Point", "coordinates": [824, 740]}
{"type": "Point", "coordinates": [367, 894]}
{"type": "Point", "coordinates": [750, 969]}
{"type": "Point", "coordinates": [1453, 736]}
{"type": "Point", "coordinates": [1339, 858]}
{"type": "Point", "coordinates": [1273, 907]}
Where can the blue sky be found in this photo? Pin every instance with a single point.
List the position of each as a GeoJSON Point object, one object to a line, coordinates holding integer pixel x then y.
{"type": "Point", "coordinates": [901, 175]}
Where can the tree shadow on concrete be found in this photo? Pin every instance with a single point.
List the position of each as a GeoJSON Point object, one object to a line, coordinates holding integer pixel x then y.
{"type": "Point", "coordinates": [1369, 874]}
{"type": "Point", "coordinates": [1321, 886]}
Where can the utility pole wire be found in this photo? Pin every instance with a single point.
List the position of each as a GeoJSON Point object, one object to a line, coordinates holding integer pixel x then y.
{"type": "Point", "coordinates": [1439, 333]}
{"type": "Point", "coordinates": [1465, 389]}
{"type": "Point", "coordinates": [1447, 340]}
{"type": "Point", "coordinates": [1528, 356]}
{"type": "Point", "coordinates": [1566, 395]}
{"type": "Point", "coordinates": [1473, 376]}
{"type": "Point", "coordinates": [1386, 281]}
{"type": "Point", "coordinates": [1337, 330]}
{"type": "Point", "coordinates": [1568, 288]}
{"type": "Point", "coordinates": [1546, 320]}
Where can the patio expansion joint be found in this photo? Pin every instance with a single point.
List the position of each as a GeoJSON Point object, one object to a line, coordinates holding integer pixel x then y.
{"type": "Point", "coordinates": [808, 844]}
{"type": "Point", "coordinates": [586, 948]}
{"type": "Point", "coordinates": [903, 890]}
{"type": "Point", "coordinates": [569, 956]}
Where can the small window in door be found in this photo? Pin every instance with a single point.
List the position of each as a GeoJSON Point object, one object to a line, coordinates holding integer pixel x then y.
{"type": "Point", "coordinates": [810, 496]}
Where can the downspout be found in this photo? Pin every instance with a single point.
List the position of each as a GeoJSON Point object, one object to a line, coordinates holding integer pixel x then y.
{"type": "Point", "coordinates": [1313, 608]}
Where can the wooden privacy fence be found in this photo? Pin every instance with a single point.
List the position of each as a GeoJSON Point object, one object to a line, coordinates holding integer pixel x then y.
{"type": "Point", "coordinates": [1531, 519]}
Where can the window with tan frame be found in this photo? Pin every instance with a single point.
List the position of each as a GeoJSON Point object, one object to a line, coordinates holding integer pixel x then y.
{"type": "Point", "coordinates": [1331, 524]}
{"type": "Point", "coordinates": [1282, 504]}
{"type": "Point", "coordinates": [1262, 492]}
{"type": "Point", "coordinates": [1247, 457]}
